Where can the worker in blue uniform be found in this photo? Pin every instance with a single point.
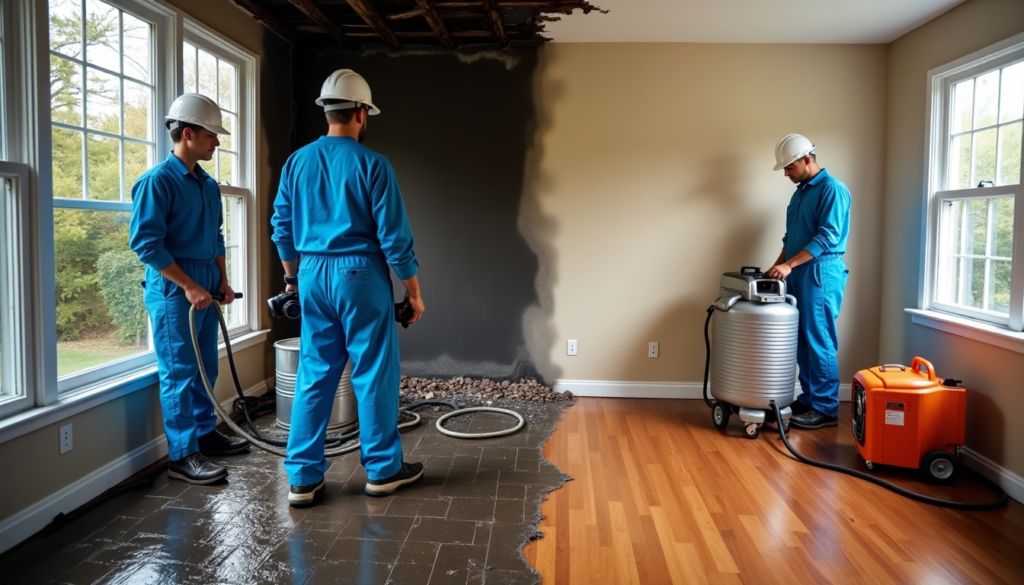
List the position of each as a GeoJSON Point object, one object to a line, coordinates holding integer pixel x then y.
{"type": "Point", "coordinates": [339, 211]}
{"type": "Point", "coordinates": [811, 262]}
{"type": "Point", "coordinates": [176, 232]}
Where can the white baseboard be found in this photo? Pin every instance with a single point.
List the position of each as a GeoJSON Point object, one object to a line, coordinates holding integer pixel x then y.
{"type": "Point", "coordinates": [1008, 480]}
{"type": "Point", "coordinates": [34, 518]}
{"type": "Point", "coordinates": [676, 390]}
{"type": "Point", "coordinates": [257, 390]}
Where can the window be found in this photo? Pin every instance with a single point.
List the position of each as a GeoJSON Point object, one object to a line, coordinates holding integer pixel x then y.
{"type": "Point", "coordinates": [15, 394]}
{"type": "Point", "coordinates": [976, 200]}
{"type": "Point", "coordinates": [217, 79]}
{"type": "Point", "coordinates": [236, 209]}
{"type": "Point", "coordinates": [102, 91]}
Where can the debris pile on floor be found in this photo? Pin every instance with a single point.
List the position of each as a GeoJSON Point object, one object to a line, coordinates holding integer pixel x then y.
{"type": "Point", "coordinates": [524, 390]}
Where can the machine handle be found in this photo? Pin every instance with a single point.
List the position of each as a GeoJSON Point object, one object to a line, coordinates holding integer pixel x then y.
{"type": "Point", "coordinates": [791, 300]}
{"type": "Point", "coordinates": [726, 303]}
{"type": "Point", "coordinates": [918, 362]}
{"type": "Point", "coordinates": [900, 366]}
{"type": "Point", "coordinates": [750, 270]}
{"type": "Point", "coordinates": [220, 296]}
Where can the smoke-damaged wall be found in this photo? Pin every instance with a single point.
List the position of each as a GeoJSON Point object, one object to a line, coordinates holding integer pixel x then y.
{"type": "Point", "coordinates": [456, 127]}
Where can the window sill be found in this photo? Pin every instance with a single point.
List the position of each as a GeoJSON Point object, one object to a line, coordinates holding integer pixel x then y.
{"type": "Point", "coordinates": [969, 328]}
{"type": "Point", "coordinates": [94, 395]}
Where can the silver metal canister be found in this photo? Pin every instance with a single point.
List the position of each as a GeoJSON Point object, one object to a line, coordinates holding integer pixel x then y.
{"type": "Point", "coordinates": [286, 371]}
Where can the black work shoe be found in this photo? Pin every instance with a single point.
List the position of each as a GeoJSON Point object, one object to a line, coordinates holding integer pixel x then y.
{"type": "Point", "coordinates": [812, 419]}
{"type": "Point", "coordinates": [301, 496]}
{"type": "Point", "coordinates": [197, 469]}
{"type": "Point", "coordinates": [798, 408]}
{"type": "Point", "coordinates": [217, 443]}
{"type": "Point", "coordinates": [409, 473]}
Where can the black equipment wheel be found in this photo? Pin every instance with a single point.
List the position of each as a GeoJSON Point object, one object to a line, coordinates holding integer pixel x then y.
{"type": "Point", "coordinates": [751, 430]}
{"type": "Point", "coordinates": [720, 414]}
{"type": "Point", "coordinates": [940, 466]}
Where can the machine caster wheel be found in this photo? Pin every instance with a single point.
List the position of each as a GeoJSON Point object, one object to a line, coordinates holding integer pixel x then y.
{"type": "Point", "coordinates": [785, 427]}
{"type": "Point", "coordinates": [720, 415]}
{"type": "Point", "coordinates": [869, 465]}
{"type": "Point", "coordinates": [752, 430]}
{"type": "Point", "coordinates": [940, 466]}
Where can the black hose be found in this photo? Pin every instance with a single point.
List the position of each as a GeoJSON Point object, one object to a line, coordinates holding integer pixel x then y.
{"type": "Point", "coordinates": [707, 356]}
{"type": "Point", "coordinates": [997, 503]}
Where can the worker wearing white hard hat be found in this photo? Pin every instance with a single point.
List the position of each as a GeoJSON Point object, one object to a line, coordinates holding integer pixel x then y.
{"type": "Point", "coordinates": [811, 262]}
{"type": "Point", "coordinates": [176, 232]}
{"type": "Point", "coordinates": [340, 212]}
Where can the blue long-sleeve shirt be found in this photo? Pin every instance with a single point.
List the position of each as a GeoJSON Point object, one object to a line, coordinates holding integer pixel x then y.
{"type": "Point", "coordinates": [176, 215]}
{"type": "Point", "coordinates": [818, 217]}
{"type": "Point", "coordinates": [336, 196]}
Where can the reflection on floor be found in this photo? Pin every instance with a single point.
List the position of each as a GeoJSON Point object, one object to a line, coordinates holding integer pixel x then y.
{"type": "Point", "coordinates": [661, 496]}
{"type": "Point", "coordinates": [464, 523]}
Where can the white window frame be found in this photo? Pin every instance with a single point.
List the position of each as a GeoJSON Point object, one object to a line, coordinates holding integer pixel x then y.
{"type": "Point", "coordinates": [164, 66]}
{"type": "Point", "coordinates": [244, 142]}
{"type": "Point", "coordinates": [15, 267]}
{"type": "Point", "coordinates": [941, 81]}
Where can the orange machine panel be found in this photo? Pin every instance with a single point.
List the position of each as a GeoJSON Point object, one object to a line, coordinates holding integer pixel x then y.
{"type": "Point", "coordinates": [901, 414]}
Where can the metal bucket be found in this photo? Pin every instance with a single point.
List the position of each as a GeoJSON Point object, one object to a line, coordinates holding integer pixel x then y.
{"type": "Point", "coordinates": [287, 369]}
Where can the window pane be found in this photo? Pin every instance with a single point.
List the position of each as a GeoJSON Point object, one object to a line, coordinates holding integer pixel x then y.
{"type": "Point", "coordinates": [103, 101]}
{"type": "Point", "coordinates": [189, 65]}
{"type": "Point", "coordinates": [67, 164]}
{"type": "Point", "coordinates": [102, 43]}
{"type": "Point", "coordinates": [226, 86]}
{"type": "Point", "coordinates": [137, 100]}
{"type": "Point", "coordinates": [984, 157]}
{"type": "Point", "coordinates": [999, 287]}
{"type": "Point", "coordinates": [1011, 104]}
{"type": "Point", "coordinates": [1009, 154]}
{"type": "Point", "coordinates": [207, 74]}
{"type": "Point", "coordinates": [104, 168]}
{"type": "Point", "coordinates": [986, 99]}
{"type": "Point", "coordinates": [210, 167]}
{"type": "Point", "coordinates": [66, 27]}
{"type": "Point", "coordinates": [137, 38]}
{"type": "Point", "coordinates": [973, 283]}
{"type": "Point", "coordinates": [65, 91]}
{"type": "Point", "coordinates": [227, 167]}
{"type": "Point", "coordinates": [227, 142]}
{"type": "Point", "coordinates": [976, 229]}
{"type": "Point", "coordinates": [100, 314]}
{"type": "Point", "coordinates": [963, 106]}
{"type": "Point", "coordinates": [960, 162]}
{"type": "Point", "coordinates": [1002, 244]}
{"type": "Point", "coordinates": [234, 243]}
{"type": "Point", "coordinates": [137, 159]}
{"type": "Point", "coordinates": [957, 213]}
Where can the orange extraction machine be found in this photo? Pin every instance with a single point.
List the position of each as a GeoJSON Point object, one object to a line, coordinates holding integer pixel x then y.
{"type": "Point", "coordinates": [907, 417]}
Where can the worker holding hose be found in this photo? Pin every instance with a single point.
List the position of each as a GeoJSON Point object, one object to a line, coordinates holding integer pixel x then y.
{"type": "Point", "coordinates": [811, 263]}
{"type": "Point", "coordinates": [340, 212]}
{"type": "Point", "coordinates": [176, 232]}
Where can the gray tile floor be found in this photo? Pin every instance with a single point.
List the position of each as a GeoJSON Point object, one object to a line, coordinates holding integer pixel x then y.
{"type": "Point", "coordinates": [464, 523]}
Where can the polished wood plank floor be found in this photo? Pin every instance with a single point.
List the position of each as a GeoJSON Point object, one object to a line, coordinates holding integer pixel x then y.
{"type": "Point", "coordinates": [660, 496]}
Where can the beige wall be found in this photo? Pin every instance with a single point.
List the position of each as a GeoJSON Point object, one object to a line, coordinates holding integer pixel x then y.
{"type": "Point", "coordinates": [111, 430]}
{"type": "Point", "coordinates": [993, 375]}
{"type": "Point", "coordinates": [651, 175]}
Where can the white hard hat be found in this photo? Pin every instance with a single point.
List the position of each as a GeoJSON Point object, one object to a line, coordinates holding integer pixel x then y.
{"type": "Point", "coordinates": [791, 148]}
{"type": "Point", "coordinates": [348, 86]}
{"type": "Point", "coordinates": [195, 108]}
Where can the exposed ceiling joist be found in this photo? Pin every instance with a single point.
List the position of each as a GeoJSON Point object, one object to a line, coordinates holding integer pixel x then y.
{"type": "Point", "coordinates": [436, 24]}
{"type": "Point", "coordinates": [366, 11]}
{"type": "Point", "coordinates": [313, 12]}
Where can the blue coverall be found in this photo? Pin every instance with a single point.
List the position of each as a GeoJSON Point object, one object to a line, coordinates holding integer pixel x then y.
{"type": "Point", "coordinates": [818, 220]}
{"type": "Point", "coordinates": [339, 207]}
{"type": "Point", "coordinates": [177, 217]}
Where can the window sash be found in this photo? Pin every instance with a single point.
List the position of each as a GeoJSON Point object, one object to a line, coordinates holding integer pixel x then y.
{"type": "Point", "coordinates": [244, 226]}
{"type": "Point", "coordinates": [16, 282]}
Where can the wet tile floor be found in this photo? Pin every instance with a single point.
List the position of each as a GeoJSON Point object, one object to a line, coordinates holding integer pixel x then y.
{"type": "Point", "coordinates": [464, 523]}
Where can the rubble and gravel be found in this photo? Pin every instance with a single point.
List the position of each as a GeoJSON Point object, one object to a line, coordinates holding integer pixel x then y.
{"type": "Point", "coordinates": [412, 389]}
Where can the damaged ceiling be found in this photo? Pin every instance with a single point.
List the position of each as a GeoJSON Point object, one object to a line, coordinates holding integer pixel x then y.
{"type": "Point", "coordinates": [354, 24]}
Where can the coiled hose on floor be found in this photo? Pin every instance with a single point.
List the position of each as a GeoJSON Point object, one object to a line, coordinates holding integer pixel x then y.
{"type": "Point", "coordinates": [335, 444]}
{"type": "Point", "coordinates": [999, 502]}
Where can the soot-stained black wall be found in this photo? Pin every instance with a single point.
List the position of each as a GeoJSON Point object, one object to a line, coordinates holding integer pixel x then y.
{"type": "Point", "coordinates": [456, 127]}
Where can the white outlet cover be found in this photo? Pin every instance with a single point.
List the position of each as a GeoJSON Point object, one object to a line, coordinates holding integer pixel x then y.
{"type": "Point", "coordinates": [66, 439]}
{"type": "Point", "coordinates": [571, 347]}
{"type": "Point", "coordinates": [652, 349]}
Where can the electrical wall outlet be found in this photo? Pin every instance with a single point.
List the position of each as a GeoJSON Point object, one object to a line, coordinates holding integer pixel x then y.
{"type": "Point", "coordinates": [652, 349]}
{"type": "Point", "coordinates": [65, 439]}
{"type": "Point", "coordinates": [570, 348]}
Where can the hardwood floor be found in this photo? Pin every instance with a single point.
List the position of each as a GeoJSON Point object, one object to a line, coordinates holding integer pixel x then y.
{"type": "Point", "coordinates": [660, 496]}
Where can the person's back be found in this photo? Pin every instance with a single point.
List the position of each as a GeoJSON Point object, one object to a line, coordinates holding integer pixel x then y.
{"type": "Point", "coordinates": [339, 208]}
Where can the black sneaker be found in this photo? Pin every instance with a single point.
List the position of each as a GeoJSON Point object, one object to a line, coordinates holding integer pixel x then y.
{"type": "Point", "coordinates": [197, 469]}
{"type": "Point", "coordinates": [217, 443]}
{"type": "Point", "coordinates": [301, 496]}
{"type": "Point", "coordinates": [409, 473]}
{"type": "Point", "coordinates": [811, 420]}
{"type": "Point", "coordinates": [798, 407]}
